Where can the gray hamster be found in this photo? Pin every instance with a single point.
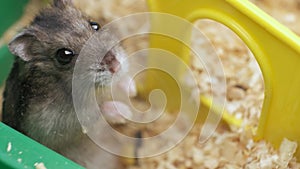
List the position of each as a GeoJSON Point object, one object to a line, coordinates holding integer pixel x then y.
{"type": "Point", "coordinates": [38, 92]}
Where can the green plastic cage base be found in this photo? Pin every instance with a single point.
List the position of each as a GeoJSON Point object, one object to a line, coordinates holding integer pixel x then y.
{"type": "Point", "coordinates": [25, 152]}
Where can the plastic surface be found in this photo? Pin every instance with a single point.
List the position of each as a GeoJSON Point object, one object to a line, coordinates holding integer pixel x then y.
{"type": "Point", "coordinates": [6, 61]}
{"type": "Point", "coordinates": [25, 152]}
{"type": "Point", "coordinates": [10, 11]}
{"type": "Point", "coordinates": [275, 47]}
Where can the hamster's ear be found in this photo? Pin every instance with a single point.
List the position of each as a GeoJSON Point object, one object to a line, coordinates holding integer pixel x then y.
{"type": "Point", "coordinates": [62, 3]}
{"type": "Point", "coordinates": [22, 45]}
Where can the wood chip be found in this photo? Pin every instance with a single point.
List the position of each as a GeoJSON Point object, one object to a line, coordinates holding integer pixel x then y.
{"type": "Point", "coordinates": [39, 166]}
{"type": "Point", "coordinates": [9, 146]}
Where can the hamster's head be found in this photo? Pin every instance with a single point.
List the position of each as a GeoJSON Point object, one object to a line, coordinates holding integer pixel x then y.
{"type": "Point", "coordinates": [54, 39]}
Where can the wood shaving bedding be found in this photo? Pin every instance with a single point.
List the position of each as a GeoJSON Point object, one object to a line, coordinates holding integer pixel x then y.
{"type": "Point", "coordinates": [39, 166]}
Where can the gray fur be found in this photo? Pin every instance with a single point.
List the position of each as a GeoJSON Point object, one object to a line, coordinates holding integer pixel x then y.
{"type": "Point", "coordinates": [38, 94]}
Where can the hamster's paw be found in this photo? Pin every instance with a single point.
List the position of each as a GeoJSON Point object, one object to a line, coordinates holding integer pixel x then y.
{"type": "Point", "coordinates": [127, 85]}
{"type": "Point", "coordinates": [116, 112]}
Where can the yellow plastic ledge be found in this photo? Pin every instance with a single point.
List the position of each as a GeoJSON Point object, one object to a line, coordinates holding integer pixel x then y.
{"type": "Point", "coordinates": [275, 47]}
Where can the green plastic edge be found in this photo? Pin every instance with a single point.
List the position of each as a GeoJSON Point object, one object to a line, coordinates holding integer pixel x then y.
{"type": "Point", "coordinates": [25, 152]}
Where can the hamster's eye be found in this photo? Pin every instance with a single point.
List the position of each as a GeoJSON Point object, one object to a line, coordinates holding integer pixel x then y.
{"type": "Point", "coordinates": [64, 56]}
{"type": "Point", "coordinates": [95, 25]}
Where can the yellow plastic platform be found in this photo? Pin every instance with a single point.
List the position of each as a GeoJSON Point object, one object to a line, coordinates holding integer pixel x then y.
{"type": "Point", "coordinates": [276, 48]}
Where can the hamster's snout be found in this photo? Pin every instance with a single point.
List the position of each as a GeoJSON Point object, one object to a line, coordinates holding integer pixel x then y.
{"type": "Point", "coordinates": [111, 62]}
{"type": "Point", "coordinates": [108, 63]}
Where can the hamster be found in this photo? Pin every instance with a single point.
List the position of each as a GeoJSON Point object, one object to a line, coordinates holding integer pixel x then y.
{"type": "Point", "coordinates": [38, 93]}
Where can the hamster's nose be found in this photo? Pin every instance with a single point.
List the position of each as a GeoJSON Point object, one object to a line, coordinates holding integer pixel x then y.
{"type": "Point", "coordinates": [111, 61]}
